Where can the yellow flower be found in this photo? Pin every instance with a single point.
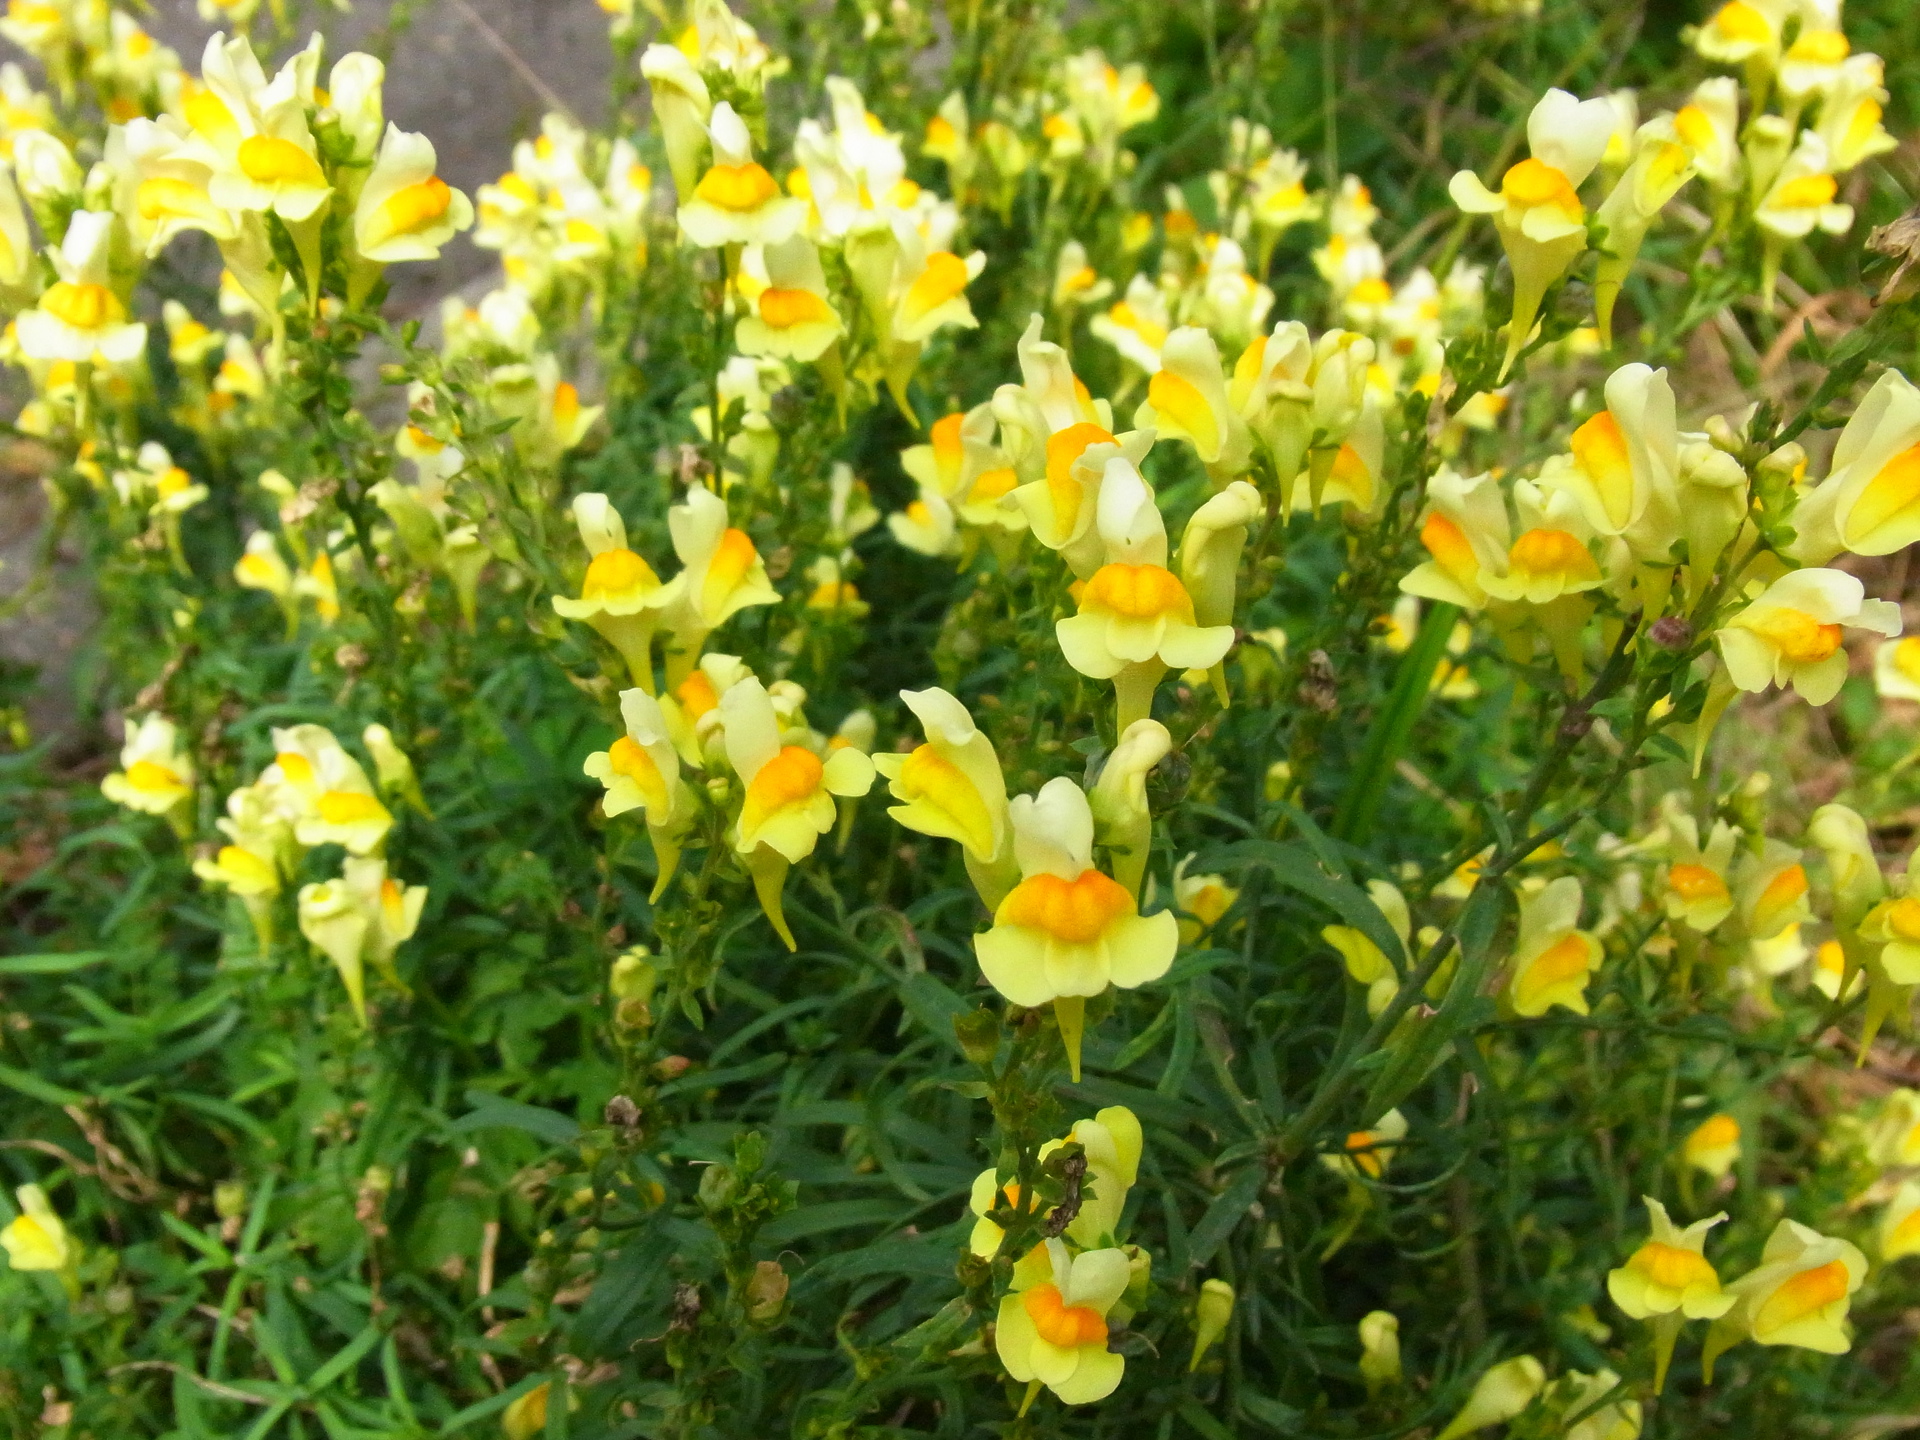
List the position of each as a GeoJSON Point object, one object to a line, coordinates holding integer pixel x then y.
{"type": "Point", "coordinates": [1538, 213]}
{"type": "Point", "coordinates": [792, 317]}
{"type": "Point", "coordinates": [1111, 1141]}
{"type": "Point", "coordinates": [1052, 1329]}
{"type": "Point", "coordinates": [931, 293]}
{"type": "Point", "coordinates": [951, 787]}
{"type": "Point", "coordinates": [1830, 968]}
{"type": "Point", "coordinates": [1187, 400]}
{"type": "Point", "coordinates": [1713, 1145]}
{"type": "Point", "coordinates": [1624, 464]}
{"type": "Point", "coordinates": [155, 774]}
{"type": "Point", "coordinates": [1709, 126]}
{"type": "Point", "coordinates": [1553, 959]}
{"type": "Point", "coordinates": [1791, 633]}
{"type": "Point", "coordinates": [1851, 111]}
{"type": "Point", "coordinates": [1203, 901]}
{"type": "Point", "coordinates": [35, 1239]}
{"type": "Point", "coordinates": [79, 317]}
{"type": "Point", "coordinates": [1893, 1136]}
{"type": "Point", "coordinates": [620, 596]}
{"type": "Point", "coordinates": [1869, 503]}
{"type": "Point", "coordinates": [1365, 961]}
{"type": "Point", "coordinates": [1669, 1273]}
{"type": "Point", "coordinates": [682, 107]}
{"type": "Point", "coordinates": [1694, 884]}
{"type": "Point", "coordinates": [641, 771]}
{"type": "Point", "coordinates": [1067, 931]}
{"type": "Point", "coordinates": [737, 202]}
{"type": "Point", "coordinates": [1135, 618]}
{"type": "Point", "coordinates": [788, 792]}
{"type": "Point", "coordinates": [1900, 1224]}
{"type": "Point", "coordinates": [723, 575]}
{"type": "Point", "coordinates": [1798, 1296]}
{"type": "Point", "coordinates": [406, 211]}
{"type": "Point", "coordinates": [1369, 1152]}
{"type": "Point", "coordinates": [1136, 326]}
{"type": "Point", "coordinates": [1894, 925]}
{"type": "Point", "coordinates": [1379, 1349]}
{"type": "Point", "coordinates": [1896, 669]}
{"type": "Point", "coordinates": [335, 925]}
{"type": "Point", "coordinates": [1743, 31]}
{"type": "Point", "coordinates": [1498, 1396]}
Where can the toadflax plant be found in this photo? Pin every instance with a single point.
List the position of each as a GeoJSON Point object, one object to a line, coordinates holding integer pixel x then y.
{"type": "Point", "coordinates": [1054, 720]}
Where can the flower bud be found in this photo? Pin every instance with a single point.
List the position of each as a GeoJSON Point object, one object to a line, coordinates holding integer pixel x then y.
{"type": "Point", "coordinates": [526, 1417]}
{"type": "Point", "coordinates": [1499, 1395]}
{"type": "Point", "coordinates": [230, 1199]}
{"type": "Point", "coordinates": [633, 976]}
{"type": "Point", "coordinates": [1212, 1312]}
{"type": "Point", "coordinates": [1380, 1349]}
{"type": "Point", "coordinates": [767, 1292]}
{"type": "Point", "coordinates": [979, 1035]}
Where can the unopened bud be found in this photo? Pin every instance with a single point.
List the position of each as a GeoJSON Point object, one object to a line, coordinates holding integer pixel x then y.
{"type": "Point", "coordinates": [672, 1067]}
{"type": "Point", "coordinates": [1500, 1394]}
{"type": "Point", "coordinates": [1722, 435]}
{"type": "Point", "coordinates": [526, 1417]}
{"type": "Point", "coordinates": [979, 1035]}
{"type": "Point", "coordinates": [1212, 1313]}
{"type": "Point", "coordinates": [1380, 1349]}
{"type": "Point", "coordinates": [633, 976]}
{"type": "Point", "coordinates": [1670, 632]}
{"type": "Point", "coordinates": [230, 1200]}
{"type": "Point", "coordinates": [766, 1292]}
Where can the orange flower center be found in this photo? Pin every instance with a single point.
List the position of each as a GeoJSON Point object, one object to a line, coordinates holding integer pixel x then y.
{"type": "Point", "coordinates": [1064, 447]}
{"type": "Point", "coordinates": [784, 309]}
{"type": "Point", "coordinates": [1715, 1133]}
{"type": "Point", "coordinates": [1892, 494]}
{"type": "Point", "coordinates": [1798, 637]}
{"type": "Point", "coordinates": [1805, 1295]}
{"type": "Point", "coordinates": [1060, 1324]}
{"type": "Point", "coordinates": [1673, 1266]}
{"type": "Point", "coordinates": [1076, 912]}
{"type": "Point", "coordinates": [1695, 883]}
{"type": "Point", "coordinates": [1737, 20]}
{"type": "Point", "coordinates": [1809, 192]}
{"type": "Point", "coordinates": [349, 807]}
{"type": "Point", "coordinates": [789, 778]}
{"type": "Point", "coordinates": [1534, 183]}
{"type": "Point", "coordinates": [739, 188]}
{"type": "Point", "coordinates": [410, 210]}
{"type": "Point", "coordinates": [1450, 548]}
{"type": "Point", "coordinates": [731, 561]}
{"type": "Point", "coordinates": [151, 776]}
{"type": "Point", "coordinates": [1139, 592]}
{"type": "Point", "coordinates": [945, 277]}
{"type": "Point", "coordinates": [696, 695]}
{"type": "Point", "coordinates": [1552, 553]}
{"type": "Point", "coordinates": [628, 758]}
{"type": "Point", "coordinates": [84, 307]}
{"type": "Point", "coordinates": [269, 160]}
{"type": "Point", "coordinates": [615, 574]}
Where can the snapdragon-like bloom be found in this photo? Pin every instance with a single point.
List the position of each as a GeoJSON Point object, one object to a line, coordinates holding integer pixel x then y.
{"type": "Point", "coordinates": [1792, 633]}
{"type": "Point", "coordinates": [951, 787]}
{"type": "Point", "coordinates": [1869, 504]}
{"type": "Point", "coordinates": [1694, 886]}
{"type": "Point", "coordinates": [1111, 1142]}
{"type": "Point", "coordinates": [1669, 1281]}
{"type": "Point", "coordinates": [1799, 1295]}
{"type": "Point", "coordinates": [620, 596]}
{"type": "Point", "coordinates": [1135, 619]}
{"type": "Point", "coordinates": [737, 202]}
{"type": "Point", "coordinates": [1542, 224]}
{"type": "Point", "coordinates": [641, 770]}
{"type": "Point", "coordinates": [36, 1239]}
{"type": "Point", "coordinates": [155, 775]}
{"type": "Point", "coordinates": [1712, 1146]}
{"type": "Point", "coordinates": [1498, 1396]}
{"type": "Point", "coordinates": [1067, 930]}
{"type": "Point", "coordinates": [723, 575]}
{"type": "Point", "coordinates": [1553, 958]}
{"type": "Point", "coordinates": [323, 792]}
{"type": "Point", "coordinates": [792, 317]}
{"type": "Point", "coordinates": [405, 210]}
{"type": "Point", "coordinates": [80, 318]}
{"type": "Point", "coordinates": [1894, 925]}
{"type": "Point", "coordinates": [788, 792]}
{"type": "Point", "coordinates": [1187, 400]}
{"type": "Point", "coordinates": [1052, 1330]}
